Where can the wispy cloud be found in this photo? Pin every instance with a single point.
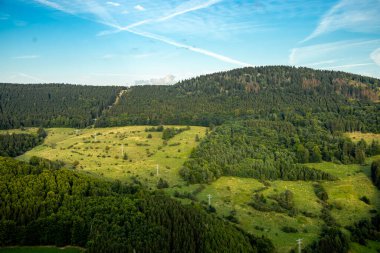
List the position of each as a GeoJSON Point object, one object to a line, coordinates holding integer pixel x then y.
{"type": "Point", "coordinates": [113, 4]}
{"type": "Point", "coordinates": [349, 15]}
{"type": "Point", "coordinates": [104, 17]}
{"type": "Point", "coordinates": [139, 8]}
{"type": "Point", "coordinates": [182, 9]}
{"type": "Point", "coordinates": [185, 8]}
{"type": "Point", "coordinates": [26, 57]}
{"type": "Point", "coordinates": [4, 16]}
{"type": "Point", "coordinates": [347, 66]}
{"type": "Point", "coordinates": [26, 78]}
{"type": "Point", "coordinates": [191, 48]}
{"type": "Point", "coordinates": [375, 56]}
{"type": "Point", "coordinates": [319, 52]}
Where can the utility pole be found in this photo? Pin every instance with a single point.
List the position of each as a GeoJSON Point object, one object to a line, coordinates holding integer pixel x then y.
{"type": "Point", "coordinates": [157, 168]}
{"type": "Point", "coordinates": [209, 199]}
{"type": "Point", "coordinates": [299, 242]}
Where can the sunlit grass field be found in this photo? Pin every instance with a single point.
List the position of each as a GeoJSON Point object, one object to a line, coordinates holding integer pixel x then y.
{"type": "Point", "coordinates": [101, 151]}
{"type": "Point", "coordinates": [234, 194]}
{"type": "Point", "coordinates": [368, 137]}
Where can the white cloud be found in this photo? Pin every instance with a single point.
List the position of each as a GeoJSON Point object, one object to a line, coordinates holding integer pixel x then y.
{"type": "Point", "coordinates": [166, 80]}
{"type": "Point", "coordinates": [350, 15]}
{"type": "Point", "coordinates": [25, 57]}
{"type": "Point", "coordinates": [375, 56]}
{"type": "Point", "coordinates": [113, 4]}
{"type": "Point", "coordinates": [139, 8]}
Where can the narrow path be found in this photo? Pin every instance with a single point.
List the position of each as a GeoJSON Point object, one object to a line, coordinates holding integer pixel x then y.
{"type": "Point", "coordinates": [117, 100]}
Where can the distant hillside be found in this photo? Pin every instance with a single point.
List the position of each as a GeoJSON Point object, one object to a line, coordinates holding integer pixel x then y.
{"type": "Point", "coordinates": [342, 101]}
{"type": "Point", "coordinates": [51, 105]}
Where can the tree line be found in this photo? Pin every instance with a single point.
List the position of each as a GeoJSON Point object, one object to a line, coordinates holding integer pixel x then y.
{"type": "Point", "coordinates": [53, 105]}
{"type": "Point", "coordinates": [15, 144]}
{"type": "Point", "coordinates": [271, 150]}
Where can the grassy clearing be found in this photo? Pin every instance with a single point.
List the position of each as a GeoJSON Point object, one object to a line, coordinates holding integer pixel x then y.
{"type": "Point", "coordinates": [233, 194]}
{"type": "Point", "coordinates": [100, 151]}
{"type": "Point", "coordinates": [40, 249]}
{"type": "Point", "coordinates": [31, 130]}
{"type": "Point", "coordinates": [368, 137]}
{"type": "Point", "coordinates": [354, 182]}
{"type": "Point", "coordinates": [372, 247]}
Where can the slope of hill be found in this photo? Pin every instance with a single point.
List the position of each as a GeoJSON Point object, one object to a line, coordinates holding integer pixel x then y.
{"type": "Point", "coordinates": [51, 105]}
{"type": "Point", "coordinates": [340, 100]}
{"type": "Point", "coordinates": [61, 207]}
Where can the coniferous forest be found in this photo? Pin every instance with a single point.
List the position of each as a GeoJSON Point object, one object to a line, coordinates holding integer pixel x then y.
{"type": "Point", "coordinates": [62, 207]}
{"type": "Point", "coordinates": [53, 105]}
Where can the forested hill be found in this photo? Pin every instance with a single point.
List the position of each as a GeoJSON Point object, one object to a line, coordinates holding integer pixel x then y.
{"type": "Point", "coordinates": [41, 206]}
{"type": "Point", "coordinates": [50, 105]}
{"type": "Point", "coordinates": [342, 101]}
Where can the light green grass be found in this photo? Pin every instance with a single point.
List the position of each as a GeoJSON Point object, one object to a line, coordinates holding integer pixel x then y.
{"type": "Point", "coordinates": [31, 130]}
{"type": "Point", "coordinates": [143, 153]}
{"type": "Point", "coordinates": [41, 249]}
{"type": "Point", "coordinates": [368, 137]}
{"type": "Point", "coordinates": [353, 182]}
{"type": "Point", "coordinates": [372, 247]}
{"type": "Point", "coordinates": [231, 193]}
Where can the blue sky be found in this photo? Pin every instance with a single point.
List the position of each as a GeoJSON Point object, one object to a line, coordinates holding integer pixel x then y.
{"type": "Point", "coordinates": [122, 42]}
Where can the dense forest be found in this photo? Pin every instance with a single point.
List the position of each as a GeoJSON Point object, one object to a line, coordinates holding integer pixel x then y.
{"type": "Point", "coordinates": [62, 207]}
{"type": "Point", "coordinates": [340, 101]}
{"type": "Point", "coordinates": [16, 144]}
{"type": "Point", "coordinates": [53, 105]}
{"type": "Point", "coordinates": [271, 150]}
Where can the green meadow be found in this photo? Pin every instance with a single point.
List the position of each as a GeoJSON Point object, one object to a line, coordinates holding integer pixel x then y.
{"type": "Point", "coordinates": [120, 152]}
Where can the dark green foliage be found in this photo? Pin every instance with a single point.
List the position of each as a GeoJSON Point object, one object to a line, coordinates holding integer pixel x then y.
{"type": "Point", "coordinates": [320, 192]}
{"type": "Point", "coordinates": [39, 161]}
{"type": "Point", "coordinates": [365, 199]}
{"type": "Point", "coordinates": [149, 136]}
{"type": "Point", "coordinates": [375, 172]}
{"type": "Point", "coordinates": [288, 229]}
{"type": "Point", "coordinates": [262, 150]}
{"type": "Point", "coordinates": [365, 230]}
{"type": "Point", "coordinates": [155, 129]}
{"type": "Point", "coordinates": [169, 133]}
{"type": "Point", "coordinates": [39, 206]}
{"type": "Point", "coordinates": [331, 240]}
{"type": "Point", "coordinates": [339, 101]}
{"type": "Point", "coordinates": [16, 144]}
{"type": "Point", "coordinates": [41, 133]}
{"type": "Point", "coordinates": [162, 183]}
{"type": "Point", "coordinates": [281, 203]}
{"type": "Point", "coordinates": [50, 105]}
